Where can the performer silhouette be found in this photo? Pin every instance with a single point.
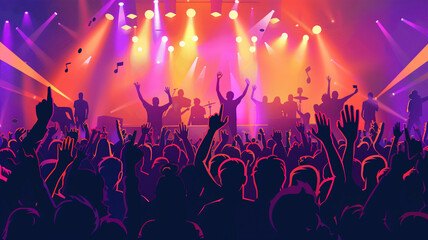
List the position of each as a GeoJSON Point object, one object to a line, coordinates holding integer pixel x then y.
{"type": "Point", "coordinates": [261, 106]}
{"type": "Point", "coordinates": [81, 111]}
{"type": "Point", "coordinates": [154, 112]}
{"type": "Point", "coordinates": [368, 112]}
{"type": "Point", "coordinates": [230, 104]}
{"type": "Point", "coordinates": [173, 116]}
{"type": "Point", "coordinates": [414, 108]}
{"type": "Point", "coordinates": [63, 116]}
{"type": "Point", "coordinates": [197, 114]}
{"type": "Point", "coordinates": [290, 108]}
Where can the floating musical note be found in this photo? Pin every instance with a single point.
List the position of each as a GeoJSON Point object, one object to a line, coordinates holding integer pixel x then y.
{"type": "Point", "coordinates": [91, 21]}
{"type": "Point", "coordinates": [117, 66]}
{"type": "Point", "coordinates": [66, 67]}
{"type": "Point", "coordinates": [307, 73]}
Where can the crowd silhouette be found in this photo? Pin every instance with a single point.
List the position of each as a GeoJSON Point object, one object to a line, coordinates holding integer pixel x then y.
{"type": "Point", "coordinates": [334, 181]}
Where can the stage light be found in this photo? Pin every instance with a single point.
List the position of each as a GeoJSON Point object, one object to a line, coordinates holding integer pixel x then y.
{"type": "Point", "coordinates": [170, 15]}
{"type": "Point", "coordinates": [149, 14]}
{"type": "Point", "coordinates": [170, 8]}
{"type": "Point", "coordinates": [131, 16]}
{"type": "Point", "coordinates": [164, 39]}
{"type": "Point", "coordinates": [393, 94]}
{"type": "Point", "coordinates": [135, 27]}
{"type": "Point", "coordinates": [216, 8]}
{"type": "Point", "coordinates": [55, 13]}
{"type": "Point", "coordinates": [134, 39]}
{"type": "Point", "coordinates": [171, 49]}
{"type": "Point", "coordinates": [26, 12]}
{"type": "Point", "coordinates": [121, 4]}
{"type": "Point", "coordinates": [297, 25]}
{"type": "Point", "coordinates": [402, 19]}
{"type": "Point", "coordinates": [377, 21]}
{"type": "Point", "coordinates": [332, 21]}
{"type": "Point", "coordinates": [140, 49]}
{"type": "Point", "coordinates": [254, 39]}
{"type": "Point", "coordinates": [216, 14]}
{"type": "Point", "coordinates": [316, 29]}
{"type": "Point", "coordinates": [274, 20]}
{"type": "Point", "coordinates": [233, 14]}
{"type": "Point", "coordinates": [195, 38]}
{"type": "Point", "coordinates": [7, 21]}
{"type": "Point", "coordinates": [236, 1]}
{"type": "Point", "coordinates": [191, 12]}
{"type": "Point", "coordinates": [109, 16]}
{"type": "Point", "coordinates": [305, 37]}
{"type": "Point", "coordinates": [238, 39]}
{"type": "Point", "coordinates": [158, 62]}
{"type": "Point", "coordinates": [182, 44]}
{"type": "Point", "coordinates": [59, 24]}
{"type": "Point", "coordinates": [284, 36]}
{"type": "Point", "coordinates": [126, 27]}
{"type": "Point", "coordinates": [252, 49]}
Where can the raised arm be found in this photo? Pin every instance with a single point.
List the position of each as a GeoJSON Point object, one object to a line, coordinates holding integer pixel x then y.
{"type": "Point", "coordinates": [220, 97]}
{"type": "Point", "coordinates": [137, 87]}
{"type": "Point", "coordinates": [245, 91]}
{"type": "Point", "coordinates": [169, 98]}
{"type": "Point", "coordinates": [328, 88]}
{"type": "Point", "coordinates": [252, 95]}
{"type": "Point", "coordinates": [183, 133]}
{"type": "Point", "coordinates": [349, 96]}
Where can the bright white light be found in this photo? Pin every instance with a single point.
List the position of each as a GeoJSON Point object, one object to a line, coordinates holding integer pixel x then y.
{"type": "Point", "coordinates": [377, 21]}
{"type": "Point", "coordinates": [236, 1]}
{"type": "Point", "coordinates": [134, 39]}
{"type": "Point", "coordinates": [182, 44]}
{"type": "Point", "coordinates": [149, 14]}
{"type": "Point", "coordinates": [402, 19]}
{"type": "Point", "coordinates": [253, 39]}
{"type": "Point", "coordinates": [140, 49]}
{"type": "Point", "coordinates": [316, 29]}
{"type": "Point", "coordinates": [393, 94]}
{"type": "Point", "coordinates": [191, 12]}
{"type": "Point", "coordinates": [252, 49]}
{"type": "Point", "coordinates": [121, 4]}
{"type": "Point", "coordinates": [233, 14]}
{"type": "Point", "coordinates": [171, 49]}
{"type": "Point", "coordinates": [164, 39]}
{"type": "Point", "coordinates": [305, 37]}
{"type": "Point", "coordinates": [55, 13]}
{"type": "Point", "coordinates": [158, 62]}
{"type": "Point", "coordinates": [284, 36]}
{"type": "Point", "coordinates": [26, 12]}
{"type": "Point", "coordinates": [238, 39]}
{"type": "Point", "coordinates": [7, 21]}
{"type": "Point", "coordinates": [195, 38]}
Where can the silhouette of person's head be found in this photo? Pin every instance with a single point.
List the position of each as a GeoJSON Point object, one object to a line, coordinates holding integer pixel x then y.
{"type": "Point", "coordinates": [110, 228]}
{"type": "Point", "coordinates": [265, 99]}
{"type": "Point", "coordinates": [277, 100]}
{"type": "Point", "coordinates": [181, 93]}
{"type": "Point", "coordinates": [103, 149]}
{"type": "Point", "coordinates": [197, 101]}
{"type": "Point", "coordinates": [324, 98]}
{"type": "Point", "coordinates": [256, 149]}
{"type": "Point", "coordinates": [371, 166]}
{"type": "Point", "coordinates": [80, 95]}
{"type": "Point", "coordinates": [233, 176]}
{"type": "Point", "coordinates": [23, 223]}
{"type": "Point", "coordinates": [230, 95]}
{"type": "Point", "coordinates": [294, 213]}
{"type": "Point", "coordinates": [155, 101]}
{"type": "Point", "coordinates": [413, 190]}
{"type": "Point", "coordinates": [189, 175]}
{"type": "Point", "coordinates": [111, 170]}
{"type": "Point", "coordinates": [214, 163]}
{"type": "Point", "coordinates": [269, 177]}
{"type": "Point", "coordinates": [231, 151]}
{"type": "Point", "coordinates": [170, 195]}
{"type": "Point", "coordinates": [370, 95]}
{"type": "Point", "coordinates": [335, 95]}
{"type": "Point", "coordinates": [75, 219]}
{"type": "Point", "coordinates": [247, 157]}
{"type": "Point", "coordinates": [414, 95]}
{"type": "Point", "coordinates": [290, 97]}
{"type": "Point", "coordinates": [307, 174]}
{"type": "Point", "coordinates": [172, 153]}
{"type": "Point", "coordinates": [350, 226]}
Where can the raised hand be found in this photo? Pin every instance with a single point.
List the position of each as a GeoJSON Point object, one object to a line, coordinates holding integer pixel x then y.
{"type": "Point", "coordinates": [74, 133]}
{"type": "Point", "coordinates": [323, 125]}
{"type": "Point", "coordinates": [145, 128]}
{"type": "Point", "coordinates": [18, 133]}
{"type": "Point", "coordinates": [397, 131]}
{"type": "Point", "coordinates": [300, 127]}
{"type": "Point", "coordinates": [247, 81]}
{"type": "Point", "coordinates": [219, 75]}
{"type": "Point", "coordinates": [182, 132]}
{"type": "Point", "coordinates": [167, 91]}
{"type": "Point", "coordinates": [131, 154]}
{"type": "Point", "coordinates": [137, 86]}
{"type": "Point", "coordinates": [277, 136]}
{"type": "Point", "coordinates": [328, 78]}
{"type": "Point", "coordinates": [224, 136]}
{"type": "Point", "coordinates": [349, 125]}
{"type": "Point", "coordinates": [65, 153]}
{"type": "Point", "coordinates": [44, 109]}
{"type": "Point", "coordinates": [216, 122]}
{"type": "Point", "coordinates": [254, 88]}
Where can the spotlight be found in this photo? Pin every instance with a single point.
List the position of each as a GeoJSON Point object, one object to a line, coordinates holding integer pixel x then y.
{"type": "Point", "coordinates": [164, 39]}
{"type": "Point", "coordinates": [121, 4]}
{"type": "Point", "coordinates": [238, 39]}
{"type": "Point", "coordinates": [55, 13]}
{"type": "Point", "coordinates": [254, 39]}
{"type": "Point", "coordinates": [236, 1]}
{"type": "Point", "coordinates": [171, 49]}
{"type": "Point", "coordinates": [26, 12]}
{"type": "Point", "coordinates": [393, 94]}
{"type": "Point", "coordinates": [156, 1]}
{"type": "Point", "coordinates": [158, 62]}
{"type": "Point", "coordinates": [7, 21]}
{"type": "Point", "coordinates": [316, 29]}
{"type": "Point", "coordinates": [109, 16]}
{"type": "Point", "coordinates": [297, 25]}
{"type": "Point", "coordinates": [252, 49]}
{"type": "Point", "coordinates": [182, 44]}
{"type": "Point", "coordinates": [305, 37]}
{"type": "Point", "coordinates": [233, 14]}
{"type": "Point", "coordinates": [332, 21]}
{"type": "Point", "coordinates": [377, 21]}
{"type": "Point", "coordinates": [216, 14]}
{"type": "Point", "coordinates": [140, 49]}
{"type": "Point", "coordinates": [59, 24]}
{"type": "Point", "coordinates": [284, 36]}
{"type": "Point", "coordinates": [195, 38]}
{"type": "Point", "coordinates": [149, 14]}
{"type": "Point", "coordinates": [134, 39]}
{"type": "Point", "coordinates": [402, 19]}
{"type": "Point", "coordinates": [191, 12]}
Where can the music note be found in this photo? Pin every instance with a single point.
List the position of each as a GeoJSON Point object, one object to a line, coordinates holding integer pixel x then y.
{"type": "Point", "coordinates": [91, 21]}
{"type": "Point", "coordinates": [66, 67]}
{"type": "Point", "coordinates": [117, 66]}
{"type": "Point", "coordinates": [307, 73]}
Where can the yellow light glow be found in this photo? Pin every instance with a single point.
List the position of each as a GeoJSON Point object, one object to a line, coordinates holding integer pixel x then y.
{"type": "Point", "coordinates": [284, 36]}
{"type": "Point", "coordinates": [195, 38]}
{"type": "Point", "coordinates": [170, 15]}
{"type": "Point", "coordinates": [170, 48]}
{"type": "Point", "coordinates": [140, 49]}
{"type": "Point", "coordinates": [191, 12]}
{"type": "Point", "coordinates": [238, 39]}
{"type": "Point", "coordinates": [252, 49]}
{"type": "Point", "coordinates": [254, 39]}
{"type": "Point", "coordinates": [131, 16]}
{"type": "Point", "coordinates": [149, 14]}
{"type": "Point", "coordinates": [216, 14]}
{"type": "Point", "coordinates": [126, 27]}
{"type": "Point", "coordinates": [109, 16]}
{"type": "Point", "coordinates": [233, 14]}
{"type": "Point", "coordinates": [134, 39]}
{"type": "Point", "coordinates": [305, 37]}
{"type": "Point", "coordinates": [274, 20]}
{"type": "Point", "coordinates": [182, 43]}
{"type": "Point", "coordinates": [316, 29]}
